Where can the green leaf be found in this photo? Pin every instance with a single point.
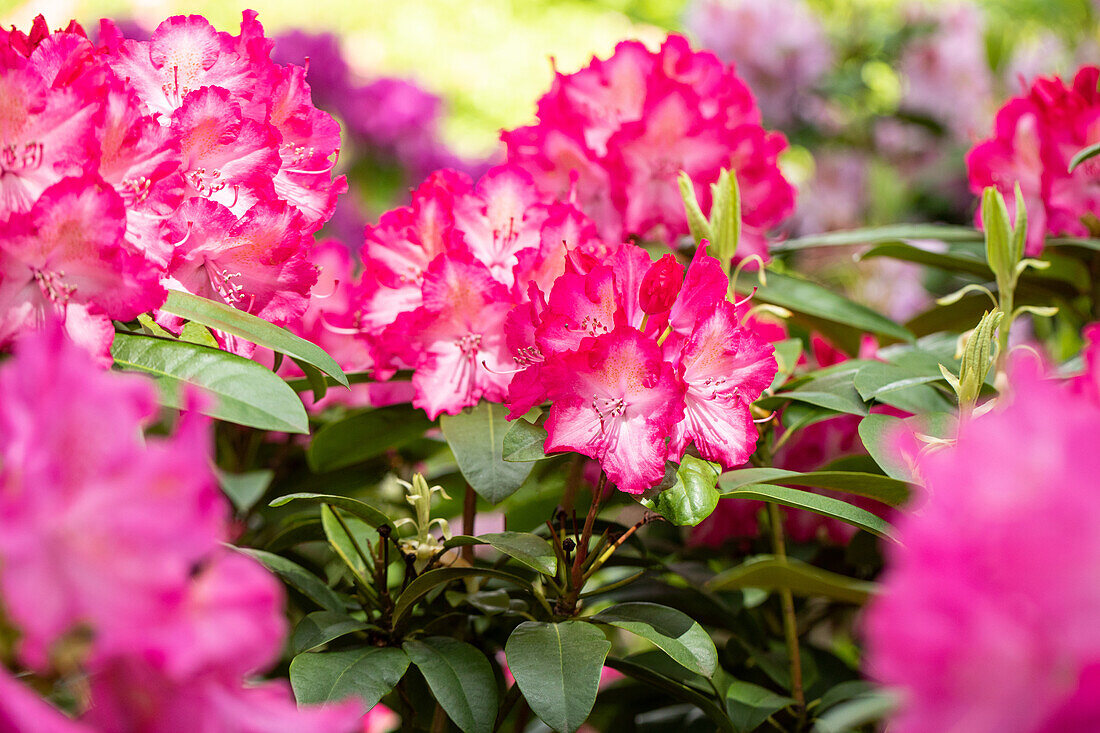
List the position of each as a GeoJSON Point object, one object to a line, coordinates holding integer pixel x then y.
{"type": "Point", "coordinates": [241, 390]}
{"type": "Point", "coordinates": [321, 627]}
{"type": "Point", "coordinates": [857, 712]}
{"type": "Point", "coordinates": [344, 542]}
{"type": "Point", "coordinates": [476, 436]}
{"type": "Point", "coordinates": [244, 489]}
{"type": "Point", "coordinates": [247, 326]}
{"type": "Point", "coordinates": [803, 296]}
{"type": "Point", "coordinates": [424, 583]}
{"type": "Point", "coordinates": [873, 235]}
{"type": "Point", "coordinates": [531, 550]}
{"type": "Point", "coordinates": [295, 575]}
{"type": "Point", "coordinates": [877, 433]}
{"type": "Point", "coordinates": [524, 442]}
{"type": "Point", "coordinates": [674, 632]}
{"type": "Point", "coordinates": [693, 496]}
{"type": "Point", "coordinates": [771, 573]}
{"type": "Point", "coordinates": [878, 378]}
{"type": "Point", "coordinates": [870, 485]}
{"type": "Point", "coordinates": [750, 705]}
{"type": "Point", "coordinates": [948, 261]}
{"type": "Point", "coordinates": [557, 667]}
{"type": "Point", "coordinates": [633, 667]}
{"type": "Point", "coordinates": [364, 435]}
{"type": "Point", "coordinates": [368, 674]}
{"type": "Point", "coordinates": [360, 509]}
{"type": "Point", "coordinates": [787, 352]}
{"type": "Point", "coordinates": [833, 391]}
{"type": "Point", "coordinates": [461, 679]}
{"type": "Point", "coordinates": [1085, 153]}
{"type": "Point", "coordinates": [824, 505]}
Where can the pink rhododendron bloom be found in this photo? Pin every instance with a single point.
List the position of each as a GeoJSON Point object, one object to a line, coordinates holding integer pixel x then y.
{"type": "Point", "coordinates": [613, 136]}
{"type": "Point", "coordinates": [257, 263]}
{"type": "Point", "coordinates": [633, 352]}
{"type": "Point", "coordinates": [380, 719]}
{"type": "Point", "coordinates": [66, 258]}
{"type": "Point", "coordinates": [615, 401]}
{"type": "Point", "coordinates": [778, 47]}
{"type": "Point", "coordinates": [81, 499]}
{"type": "Point", "coordinates": [441, 275]}
{"type": "Point", "coordinates": [1035, 137]}
{"type": "Point", "coordinates": [456, 339]}
{"type": "Point", "coordinates": [47, 130]}
{"type": "Point", "coordinates": [987, 616]}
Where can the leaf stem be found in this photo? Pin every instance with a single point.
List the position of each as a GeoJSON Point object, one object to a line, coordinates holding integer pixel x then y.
{"type": "Point", "coordinates": [469, 513]}
{"type": "Point", "coordinates": [790, 625]}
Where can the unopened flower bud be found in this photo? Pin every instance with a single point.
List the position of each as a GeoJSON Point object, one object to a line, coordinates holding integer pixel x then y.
{"type": "Point", "coordinates": [660, 285]}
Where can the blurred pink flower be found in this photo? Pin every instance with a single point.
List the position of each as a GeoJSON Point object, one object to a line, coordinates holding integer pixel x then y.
{"type": "Point", "coordinates": [778, 47]}
{"type": "Point", "coordinates": [987, 616]}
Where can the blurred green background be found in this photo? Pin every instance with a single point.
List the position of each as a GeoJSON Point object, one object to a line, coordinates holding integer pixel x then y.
{"type": "Point", "coordinates": [491, 59]}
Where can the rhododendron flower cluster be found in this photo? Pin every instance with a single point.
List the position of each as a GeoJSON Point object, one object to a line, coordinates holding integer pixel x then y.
{"type": "Point", "coordinates": [441, 275]}
{"type": "Point", "coordinates": [190, 159]}
{"type": "Point", "coordinates": [631, 352]}
{"type": "Point", "coordinates": [112, 563]}
{"type": "Point", "coordinates": [614, 136]}
{"type": "Point", "coordinates": [1035, 137]}
{"type": "Point", "coordinates": [987, 616]}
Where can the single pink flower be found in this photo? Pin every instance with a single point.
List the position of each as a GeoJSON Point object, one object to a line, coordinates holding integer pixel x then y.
{"type": "Point", "coordinates": [615, 400]}
{"type": "Point", "coordinates": [258, 263]}
{"type": "Point", "coordinates": [456, 339]}
{"type": "Point", "coordinates": [724, 368]}
{"type": "Point", "coordinates": [66, 258]}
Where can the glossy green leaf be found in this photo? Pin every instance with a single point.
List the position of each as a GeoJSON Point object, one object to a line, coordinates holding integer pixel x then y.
{"type": "Point", "coordinates": [244, 489]}
{"type": "Point", "coordinates": [880, 378]}
{"type": "Point", "coordinates": [368, 673]}
{"type": "Point", "coordinates": [295, 575]}
{"type": "Point", "coordinates": [824, 505]}
{"type": "Point", "coordinates": [344, 541]}
{"type": "Point", "coordinates": [634, 667]}
{"type": "Point", "coordinates": [804, 296]}
{"type": "Point", "coordinates": [426, 582]}
{"type": "Point", "coordinates": [529, 549]}
{"type": "Point", "coordinates": [364, 435]}
{"type": "Point", "coordinates": [321, 627]}
{"type": "Point", "coordinates": [524, 442]}
{"type": "Point", "coordinates": [674, 632]}
{"type": "Point", "coordinates": [833, 391]}
{"type": "Point", "coordinates": [692, 497]}
{"type": "Point", "coordinates": [870, 485]}
{"type": "Point", "coordinates": [948, 261]}
{"type": "Point", "coordinates": [772, 573]}
{"type": "Point", "coordinates": [222, 317]}
{"type": "Point", "coordinates": [557, 667]}
{"type": "Point", "coordinates": [857, 712]}
{"type": "Point", "coordinates": [239, 390]}
{"type": "Point", "coordinates": [476, 436]}
{"type": "Point", "coordinates": [364, 511]}
{"type": "Point", "coordinates": [878, 433]}
{"type": "Point", "coordinates": [874, 235]}
{"type": "Point", "coordinates": [749, 705]}
{"type": "Point", "coordinates": [461, 679]}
